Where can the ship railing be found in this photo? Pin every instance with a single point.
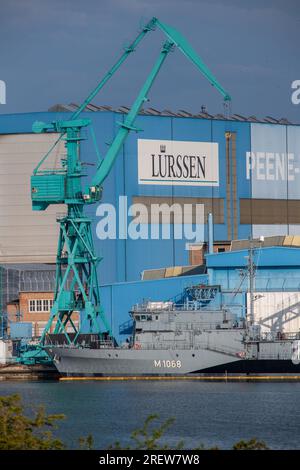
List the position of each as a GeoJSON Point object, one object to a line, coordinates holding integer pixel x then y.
{"type": "Point", "coordinates": [206, 325]}
{"type": "Point", "coordinates": [103, 344]}
{"type": "Point", "coordinates": [96, 344]}
{"type": "Point", "coordinates": [277, 336]}
{"type": "Point", "coordinates": [169, 345]}
{"type": "Point", "coordinates": [180, 326]}
{"type": "Point", "coordinates": [141, 308]}
{"type": "Point", "coordinates": [190, 346]}
{"type": "Point", "coordinates": [165, 307]}
{"type": "Point", "coordinates": [278, 356]}
{"type": "Point", "coordinates": [280, 336]}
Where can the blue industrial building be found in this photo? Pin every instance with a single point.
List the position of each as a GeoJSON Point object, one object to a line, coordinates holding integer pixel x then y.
{"type": "Point", "coordinates": [256, 191]}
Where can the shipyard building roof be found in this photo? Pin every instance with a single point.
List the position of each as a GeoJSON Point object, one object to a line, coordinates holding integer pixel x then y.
{"type": "Point", "coordinates": [203, 114]}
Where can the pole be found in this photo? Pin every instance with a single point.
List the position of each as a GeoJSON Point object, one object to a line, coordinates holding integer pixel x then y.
{"type": "Point", "coordinates": [210, 233]}
{"type": "Point", "coordinates": [251, 271]}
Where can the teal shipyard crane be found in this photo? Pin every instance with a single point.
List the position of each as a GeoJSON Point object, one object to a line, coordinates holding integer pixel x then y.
{"type": "Point", "coordinates": [76, 287]}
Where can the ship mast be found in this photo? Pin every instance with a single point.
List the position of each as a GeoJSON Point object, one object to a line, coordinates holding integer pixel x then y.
{"type": "Point", "coordinates": [251, 273]}
{"type": "Point", "coordinates": [251, 270]}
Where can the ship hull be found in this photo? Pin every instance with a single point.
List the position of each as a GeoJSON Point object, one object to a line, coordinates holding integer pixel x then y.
{"type": "Point", "coordinates": [131, 362]}
{"type": "Point", "coordinates": [256, 366]}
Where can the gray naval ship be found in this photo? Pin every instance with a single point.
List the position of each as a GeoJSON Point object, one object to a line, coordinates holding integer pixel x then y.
{"type": "Point", "coordinates": [172, 339]}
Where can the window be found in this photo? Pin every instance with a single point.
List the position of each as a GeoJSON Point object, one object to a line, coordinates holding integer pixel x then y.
{"type": "Point", "coordinates": [40, 305]}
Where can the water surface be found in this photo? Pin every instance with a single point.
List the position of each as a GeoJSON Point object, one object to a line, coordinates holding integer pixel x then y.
{"type": "Point", "coordinates": [208, 413]}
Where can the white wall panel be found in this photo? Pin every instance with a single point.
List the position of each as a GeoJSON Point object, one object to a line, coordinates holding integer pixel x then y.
{"type": "Point", "coordinates": [269, 230]}
{"type": "Point", "coordinates": [269, 171]}
{"type": "Point", "coordinates": [293, 145]}
{"type": "Point", "coordinates": [26, 235]}
{"type": "Point", "coordinates": [294, 229]}
{"type": "Point", "coordinates": [277, 311]}
{"type": "Point", "coordinates": [268, 144]}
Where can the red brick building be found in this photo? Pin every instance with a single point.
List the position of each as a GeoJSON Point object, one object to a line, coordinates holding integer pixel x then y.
{"type": "Point", "coordinates": [34, 307]}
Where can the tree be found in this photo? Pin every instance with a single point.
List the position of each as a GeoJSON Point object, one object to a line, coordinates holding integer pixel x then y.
{"type": "Point", "coordinates": [252, 444]}
{"type": "Point", "coordinates": [148, 437]}
{"type": "Point", "coordinates": [19, 432]}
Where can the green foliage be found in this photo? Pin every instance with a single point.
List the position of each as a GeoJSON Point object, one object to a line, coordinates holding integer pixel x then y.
{"type": "Point", "coordinates": [252, 444]}
{"type": "Point", "coordinates": [19, 432]}
{"type": "Point", "coordinates": [86, 443]}
{"type": "Point", "coordinates": [148, 436]}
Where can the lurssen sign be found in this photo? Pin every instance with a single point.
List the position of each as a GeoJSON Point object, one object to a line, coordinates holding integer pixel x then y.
{"type": "Point", "coordinates": [171, 162]}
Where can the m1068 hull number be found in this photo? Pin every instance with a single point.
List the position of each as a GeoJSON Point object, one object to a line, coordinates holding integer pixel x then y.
{"type": "Point", "coordinates": [167, 364]}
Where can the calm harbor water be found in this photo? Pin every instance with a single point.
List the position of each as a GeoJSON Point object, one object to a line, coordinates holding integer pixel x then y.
{"type": "Point", "coordinates": [208, 413]}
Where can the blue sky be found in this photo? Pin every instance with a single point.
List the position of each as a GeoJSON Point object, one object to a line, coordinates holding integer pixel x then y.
{"type": "Point", "coordinates": [56, 51]}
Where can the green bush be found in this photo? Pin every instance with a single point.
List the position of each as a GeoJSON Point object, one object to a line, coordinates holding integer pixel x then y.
{"type": "Point", "coordinates": [18, 432]}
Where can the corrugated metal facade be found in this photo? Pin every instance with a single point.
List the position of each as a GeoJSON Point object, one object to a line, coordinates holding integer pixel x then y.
{"type": "Point", "coordinates": [266, 197]}
{"type": "Point", "coordinates": [25, 236]}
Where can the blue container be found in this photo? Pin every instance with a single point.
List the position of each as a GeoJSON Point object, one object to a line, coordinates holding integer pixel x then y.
{"type": "Point", "coordinates": [20, 330]}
